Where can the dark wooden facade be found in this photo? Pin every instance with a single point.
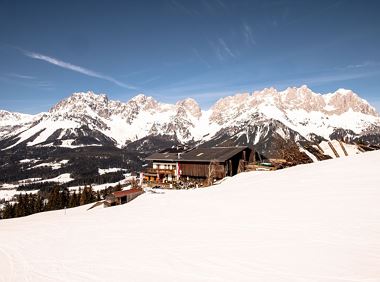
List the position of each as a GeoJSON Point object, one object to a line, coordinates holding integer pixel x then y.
{"type": "Point", "coordinates": [231, 161]}
{"type": "Point", "coordinates": [202, 170]}
{"type": "Point", "coordinates": [201, 163]}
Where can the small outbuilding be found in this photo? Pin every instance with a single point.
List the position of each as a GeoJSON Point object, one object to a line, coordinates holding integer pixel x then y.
{"type": "Point", "coordinates": [122, 197]}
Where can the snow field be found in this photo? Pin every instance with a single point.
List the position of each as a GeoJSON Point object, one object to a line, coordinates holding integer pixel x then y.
{"type": "Point", "coordinates": [315, 222]}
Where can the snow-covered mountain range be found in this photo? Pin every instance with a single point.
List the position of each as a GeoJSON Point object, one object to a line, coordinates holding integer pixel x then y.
{"type": "Point", "coordinates": [267, 119]}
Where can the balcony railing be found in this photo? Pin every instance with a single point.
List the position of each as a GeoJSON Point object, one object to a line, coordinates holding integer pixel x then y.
{"type": "Point", "coordinates": [160, 171]}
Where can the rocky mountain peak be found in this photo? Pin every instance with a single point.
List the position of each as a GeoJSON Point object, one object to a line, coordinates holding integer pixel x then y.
{"type": "Point", "coordinates": [5, 114]}
{"type": "Point", "coordinates": [344, 100]}
{"type": "Point", "coordinates": [230, 101]}
{"type": "Point", "coordinates": [144, 102]}
{"type": "Point", "coordinates": [82, 103]}
{"type": "Point", "coordinates": [301, 98]}
{"type": "Point", "coordinates": [89, 95]}
{"type": "Point", "coordinates": [226, 108]}
{"type": "Point", "coordinates": [191, 106]}
{"type": "Point", "coordinates": [7, 118]}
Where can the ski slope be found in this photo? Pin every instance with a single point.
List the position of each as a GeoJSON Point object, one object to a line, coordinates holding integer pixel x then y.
{"type": "Point", "coordinates": [350, 149]}
{"type": "Point", "coordinates": [315, 222]}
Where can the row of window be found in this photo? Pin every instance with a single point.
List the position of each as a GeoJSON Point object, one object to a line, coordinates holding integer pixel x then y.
{"type": "Point", "coordinates": [164, 166]}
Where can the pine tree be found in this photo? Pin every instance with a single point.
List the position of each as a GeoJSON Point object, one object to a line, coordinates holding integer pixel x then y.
{"type": "Point", "coordinates": [84, 197]}
{"type": "Point", "coordinates": [91, 195]}
{"type": "Point", "coordinates": [8, 210]}
{"type": "Point", "coordinates": [54, 201]}
{"type": "Point", "coordinates": [31, 203]}
{"type": "Point", "coordinates": [20, 206]}
{"type": "Point", "coordinates": [87, 196]}
{"type": "Point", "coordinates": [118, 187]}
{"type": "Point", "coordinates": [65, 196]}
{"type": "Point", "coordinates": [73, 202]}
{"type": "Point", "coordinates": [26, 204]}
{"type": "Point", "coordinates": [38, 204]}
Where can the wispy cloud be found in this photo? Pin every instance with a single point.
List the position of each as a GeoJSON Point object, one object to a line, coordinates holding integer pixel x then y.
{"type": "Point", "coordinates": [198, 55]}
{"type": "Point", "coordinates": [79, 69]}
{"type": "Point", "coordinates": [45, 84]}
{"type": "Point", "coordinates": [22, 76]}
{"type": "Point", "coordinates": [314, 79]}
{"type": "Point", "coordinates": [136, 73]}
{"type": "Point", "coordinates": [27, 81]}
{"type": "Point", "coordinates": [222, 50]}
{"type": "Point", "coordinates": [178, 6]}
{"type": "Point", "coordinates": [225, 47]}
{"type": "Point", "coordinates": [361, 65]}
{"type": "Point", "coordinates": [213, 6]}
{"type": "Point", "coordinates": [326, 78]}
{"type": "Point", "coordinates": [149, 80]}
{"type": "Point", "coordinates": [248, 35]}
{"type": "Point", "coordinates": [221, 4]}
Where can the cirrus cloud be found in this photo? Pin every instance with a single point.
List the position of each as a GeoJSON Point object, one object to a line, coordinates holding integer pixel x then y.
{"type": "Point", "coordinates": [76, 68]}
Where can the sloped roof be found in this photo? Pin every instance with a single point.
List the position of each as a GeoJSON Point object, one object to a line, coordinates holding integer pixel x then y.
{"type": "Point", "coordinates": [123, 193]}
{"type": "Point", "coordinates": [166, 156]}
{"type": "Point", "coordinates": [219, 154]}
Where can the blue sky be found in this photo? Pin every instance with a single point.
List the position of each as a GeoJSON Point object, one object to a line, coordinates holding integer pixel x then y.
{"type": "Point", "coordinates": [173, 49]}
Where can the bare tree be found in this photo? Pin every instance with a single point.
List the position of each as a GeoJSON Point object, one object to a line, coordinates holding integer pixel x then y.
{"type": "Point", "coordinates": [134, 183]}
{"type": "Point", "coordinates": [241, 166]}
{"type": "Point", "coordinates": [211, 172]}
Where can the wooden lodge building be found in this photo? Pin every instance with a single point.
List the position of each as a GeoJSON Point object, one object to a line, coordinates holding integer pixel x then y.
{"type": "Point", "coordinates": [198, 164]}
{"type": "Point", "coordinates": [164, 166]}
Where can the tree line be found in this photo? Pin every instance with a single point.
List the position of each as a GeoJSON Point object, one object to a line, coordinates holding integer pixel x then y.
{"type": "Point", "coordinates": [55, 199]}
{"type": "Point", "coordinates": [110, 177]}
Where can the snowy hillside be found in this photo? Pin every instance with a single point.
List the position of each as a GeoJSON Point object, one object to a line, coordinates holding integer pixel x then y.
{"type": "Point", "coordinates": [11, 120]}
{"type": "Point", "coordinates": [306, 223]}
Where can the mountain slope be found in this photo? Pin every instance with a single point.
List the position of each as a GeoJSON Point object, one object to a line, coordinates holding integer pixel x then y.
{"type": "Point", "coordinates": [301, 110]}
{"type": "Point", "coordinates": [322, 227]}
{"type": "Point", "coordinates": [280, 124]}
